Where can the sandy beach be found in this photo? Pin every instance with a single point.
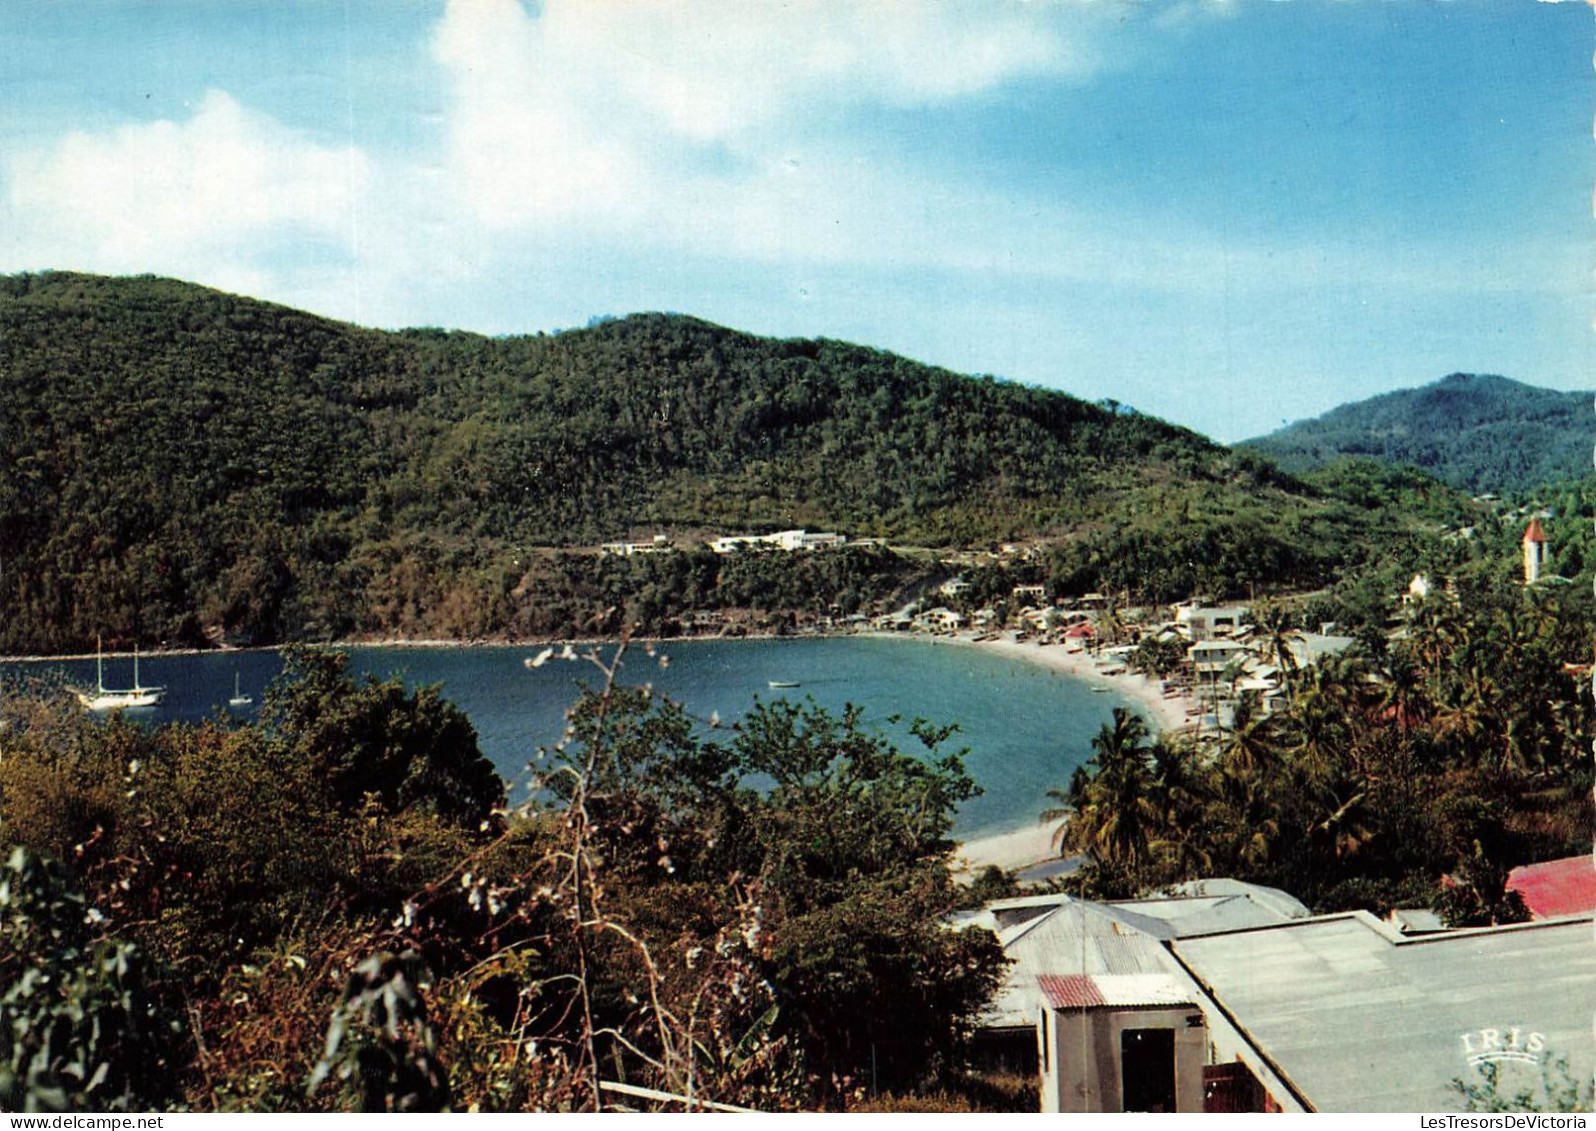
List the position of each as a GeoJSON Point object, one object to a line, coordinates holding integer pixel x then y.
{"type": "Point", "coordinates": [1024, 847]}
{"type": "Point", "coordinates": [1011, 852]}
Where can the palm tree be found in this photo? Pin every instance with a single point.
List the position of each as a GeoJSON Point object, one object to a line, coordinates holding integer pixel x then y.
{"type": "Point", "coordinates": [1111, 811]}
{"type": "Point", "coordinates": [1403, 697]}
{"type": "Point", "coordinates": [1250, 747]}
{"type": "Point", "coordinates": [1181, 791]}
{"type": "Point", "coordinates": [1274, 624]}
{"type": "Point", "coordinates": [1319, 725]}
{"type": "Point", "coordinates": [1467, 720]}
{"type": "Point", "coordinates": [1436, 631]}
{"type": "Point", "coordinates": [1348, 825]}
{"type": "Point", "coordinates": [1067, 802]}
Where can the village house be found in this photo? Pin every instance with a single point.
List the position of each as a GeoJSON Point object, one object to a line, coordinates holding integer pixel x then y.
{"type": "Point", "coordinates": [1207, 622]}
{"type": "Point", "coordinates": [939, 620]}
{"type": "Point", "coordinates": [1211, 658]}
{"type": "Point", "coordinates": [1226, 996]}
{"type": "Point", "coordinates": [953, 587]}
{"type": "Point", "coordinates": [1556, 887]}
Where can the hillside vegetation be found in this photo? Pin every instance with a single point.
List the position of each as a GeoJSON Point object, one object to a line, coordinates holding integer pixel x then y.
{"type": "Point", "coordinates": [183, 466]}
{"type": "Point", "coordinates": [1478, 433]}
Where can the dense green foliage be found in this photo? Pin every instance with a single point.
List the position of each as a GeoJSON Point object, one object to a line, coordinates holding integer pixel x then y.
{"type": "Point", "coordinates": [324, 911]}
{"type": "Point", "coordinates": [1458, 750]}
{"type": "Point", "coordinates": [1478, 433]}
{"type": "Point", "coordinates": [78, 1031]}
{"type": "Point", "coordinates": [182, 466]}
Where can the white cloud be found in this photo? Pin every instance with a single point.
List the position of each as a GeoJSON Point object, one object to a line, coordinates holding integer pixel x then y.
{"type": "Point", "coordinates": [647, 117]}
{"type": "Point", "coordinates": [209, 198]}
{"type": "Point", "coordinates": [710, 70]}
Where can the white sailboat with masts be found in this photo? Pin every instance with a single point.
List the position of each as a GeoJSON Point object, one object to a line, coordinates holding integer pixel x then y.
{"type": "Point", "coordinates": [104, 698]}
{"type": "Point", "coordinates": [239, 699]}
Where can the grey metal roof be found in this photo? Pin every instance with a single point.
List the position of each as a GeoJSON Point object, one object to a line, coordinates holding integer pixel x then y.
{"type": "Point", "coordinates": [1240, 904]}
{"type": "Point", "coordinates": [1311, 647]}
{"type": "Point", "coordinates": [1055, 934]}
{"type": "Point", "coordinates": [1074, 937]}
{"type": "Point", "coordinates": [1361, 1019]}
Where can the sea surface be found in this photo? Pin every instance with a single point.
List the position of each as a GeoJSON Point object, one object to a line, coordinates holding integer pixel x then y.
{"type": "Point", "coordinates": [1026, 728]}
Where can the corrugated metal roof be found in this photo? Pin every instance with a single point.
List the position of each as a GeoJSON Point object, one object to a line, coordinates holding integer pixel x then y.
{"type": "Point", "coordinates": [1073, 938]}
{"type": "Point", "coordinates": [1363, 1020]}
{"type": "Point", "coordinates": [1069, 991]}
{"type": "Point", "coordinates": [1201, 907]}
{"type": "Point", "coordinates": [1115, 991]}
{"type": "Point", "coordinates": [1557, 887]}
{"type": "Point", "coordinates": [1142, 990]}
{"type": "Point", "coordinates": [1056, 935]}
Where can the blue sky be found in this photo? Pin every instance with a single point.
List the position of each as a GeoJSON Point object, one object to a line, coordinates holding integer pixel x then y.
{"type": "Point", "coordinates": [1228, 213]}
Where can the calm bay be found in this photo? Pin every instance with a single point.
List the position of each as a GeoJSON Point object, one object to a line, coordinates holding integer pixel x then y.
{"type": "Point", "coordinates": [1026, 727]}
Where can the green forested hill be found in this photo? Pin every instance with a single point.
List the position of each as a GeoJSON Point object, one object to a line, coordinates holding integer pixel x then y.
{"type": "Point", "coordinates": [179, 465]}
{"type": "Point", "coordinates": [1478, 433]}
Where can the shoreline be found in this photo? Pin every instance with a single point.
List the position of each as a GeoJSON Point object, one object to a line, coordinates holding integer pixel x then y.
{"type": "Point", "coordinates": [1011, 850]}
{"type": "Point", "coordinates": [1023, 848]}
{"type": "Point", "coordinates": [1165, 714]}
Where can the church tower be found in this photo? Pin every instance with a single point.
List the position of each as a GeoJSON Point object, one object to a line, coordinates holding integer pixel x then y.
{"type": "Point", "coordinates": [1534, 552]}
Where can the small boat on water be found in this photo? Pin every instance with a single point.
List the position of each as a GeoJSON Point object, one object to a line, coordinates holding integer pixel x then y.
{"type": "Point", "coordinates": [782, 684]}
{"type": "Point", "coordinates": [1100, 689]}
{"type": "Point", "coordinates": [104, 698]}
{"type": "Point", "coordinates": [239, 699]}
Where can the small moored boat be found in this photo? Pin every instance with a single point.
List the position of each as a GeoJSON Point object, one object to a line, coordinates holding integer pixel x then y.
{"type": "Point", "coordinates": [783, 684]}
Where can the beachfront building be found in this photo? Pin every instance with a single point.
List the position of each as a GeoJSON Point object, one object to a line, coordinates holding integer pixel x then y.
{"type": "Point", "coordinates": [1046, 618]}
{"type": "Point", "coordinates": [1225, 996]}
{"type": "Point", "coordinates": [939, 620]}
{"type": "Point", "coordinates": [1535, 545]}
{"type": "Point", "coordinates": [1211, 658]}
{"type": "Point", "coordinates": [1225, 667]}
{"type": "Point", "coordinates": [1209, 622]}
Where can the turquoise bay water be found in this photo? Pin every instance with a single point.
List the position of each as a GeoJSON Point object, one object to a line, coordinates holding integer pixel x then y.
{"type": "Point", "coordinates": [1027, 728]}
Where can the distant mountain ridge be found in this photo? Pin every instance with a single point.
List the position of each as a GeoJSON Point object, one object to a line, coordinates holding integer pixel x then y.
{"type": "Point", "coordinates": [1481, 433]}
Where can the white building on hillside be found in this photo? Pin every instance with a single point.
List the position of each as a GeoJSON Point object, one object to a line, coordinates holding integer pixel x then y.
{"type": "Point", "coordinates": [657, 545]}
{"type": "Point", "coordinates": [788, 540]}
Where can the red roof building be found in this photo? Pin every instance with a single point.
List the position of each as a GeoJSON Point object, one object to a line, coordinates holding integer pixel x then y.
{"type": "Point", "coordinates": [1556, 887]}
{"type": "Point", "coordinates": [1534, 552]}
